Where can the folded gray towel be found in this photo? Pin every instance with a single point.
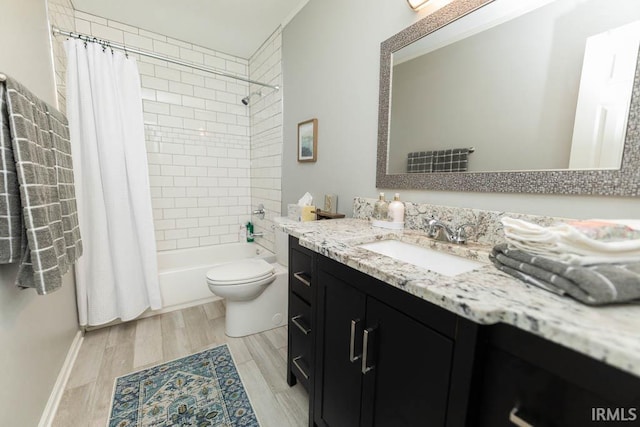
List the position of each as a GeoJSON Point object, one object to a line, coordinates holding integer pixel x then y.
{"type": "Point", "coordinates": [595, 285]}
{"type": "Point", "coordinates": [40, 147]}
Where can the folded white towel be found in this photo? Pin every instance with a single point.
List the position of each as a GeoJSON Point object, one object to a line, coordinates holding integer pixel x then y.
{"type": "Point", "coordinates": [578, 242]}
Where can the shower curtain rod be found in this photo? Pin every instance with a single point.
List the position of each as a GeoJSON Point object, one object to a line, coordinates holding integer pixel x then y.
{"type": "Point", "coordinates": [114, 45]}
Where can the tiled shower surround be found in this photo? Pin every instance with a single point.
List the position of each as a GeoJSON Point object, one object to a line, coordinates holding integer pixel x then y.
{"type": "Point", "coordinates": [211, 158]}
{"type": "Point", "coordinates": [266, 136]}
{"type": "Point", "coordinates": [61, 15]}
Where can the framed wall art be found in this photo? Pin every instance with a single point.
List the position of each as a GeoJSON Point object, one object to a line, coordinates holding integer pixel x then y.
{"type": "Point", "coordinates": [308, 141]}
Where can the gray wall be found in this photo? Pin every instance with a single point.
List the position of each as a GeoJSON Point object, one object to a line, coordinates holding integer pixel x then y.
{"type": "Point", "coordinates": [35, 331]}
{"type": "Point", "coordinates": [331, 72]}
{"type": "Point", "coordinates": [489, 91]}
{"type": "Point", "coordinates": [514, 87]}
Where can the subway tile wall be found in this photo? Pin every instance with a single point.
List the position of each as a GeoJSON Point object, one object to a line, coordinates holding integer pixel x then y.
{"type": "Point", "coordinates": [266, 135]}
{"type": "Point", "coordinates": [61, 15]}
{"type": "Point", "coordinates": [211, 159]}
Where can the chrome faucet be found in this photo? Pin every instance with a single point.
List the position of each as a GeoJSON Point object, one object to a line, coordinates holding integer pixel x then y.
{"type": "Point", "coordinates": [259, 212]}
{"type": "Point", "coordinates": [252, 235]}
{"type": "Point", "coordinates": [440, 231]}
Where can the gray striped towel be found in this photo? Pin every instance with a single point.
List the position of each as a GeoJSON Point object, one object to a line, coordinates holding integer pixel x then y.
{"type": "Point", "coordinates": [597, 284]}
{"type": "Point", "coordinates": [49, 234]}
{"type": "Point", "coordinates": [11, 230]}
{"type": "Point", "coordinates": [449, 160]}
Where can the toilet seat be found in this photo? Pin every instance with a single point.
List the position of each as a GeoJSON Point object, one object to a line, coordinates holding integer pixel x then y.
{"type": "Point", "coordinates": [243, 271]}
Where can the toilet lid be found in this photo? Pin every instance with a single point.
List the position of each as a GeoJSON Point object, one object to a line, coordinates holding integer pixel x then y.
{"type": "Point", "coordinates": [242, 271]}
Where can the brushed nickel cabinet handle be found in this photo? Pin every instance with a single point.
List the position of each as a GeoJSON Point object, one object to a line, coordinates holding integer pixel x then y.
{"type": "Point", "coordinates": [295, 362]}
{"type": "Point", "coordinates": [516, 420]}
{"type": "Point", "coordinates": [304, 329]}
{"type": "Point", "coordinates": [352, 341]}
{"type": "Point", "coordinates": [300, 275]}
{"type": "Point", "coordinates": [365, 350]}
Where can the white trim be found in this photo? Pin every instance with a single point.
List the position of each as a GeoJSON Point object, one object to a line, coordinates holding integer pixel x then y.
{"type": "Point", "coordinates": [51, 408]}
{"type": "Point", "coordinates": [294, 12]}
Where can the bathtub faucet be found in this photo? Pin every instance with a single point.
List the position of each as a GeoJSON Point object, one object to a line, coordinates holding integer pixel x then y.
{"type": "Point", "coordinates": [252, 235]}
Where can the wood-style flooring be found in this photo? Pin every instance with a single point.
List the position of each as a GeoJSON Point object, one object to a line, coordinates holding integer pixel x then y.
{"type": "Point", "coordinates": [111, 352]}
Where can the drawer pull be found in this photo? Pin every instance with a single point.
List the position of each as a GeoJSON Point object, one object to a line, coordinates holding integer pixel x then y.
{"type": "Point", "coordinates": [295, 362]}
{"type": "Point", "coordinates": [367, 337]}
{"type": "Point", "coordinates": [352, 341]}
{"type": "Point", "coordinates": [304, 329]}
{"type": "Point", "coordinates": [302, 276]}
{"type": "Point", "coordinates": [516, 420]}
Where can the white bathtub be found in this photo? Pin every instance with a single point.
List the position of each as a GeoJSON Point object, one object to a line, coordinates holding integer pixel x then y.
{"type": "Point", "coordinates": [183, 271]}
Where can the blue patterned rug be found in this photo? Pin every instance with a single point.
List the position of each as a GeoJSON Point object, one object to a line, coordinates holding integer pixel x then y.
{"type": "Point", "coordinates": [200, 390]}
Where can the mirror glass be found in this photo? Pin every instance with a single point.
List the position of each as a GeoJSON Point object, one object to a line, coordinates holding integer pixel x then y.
{"type": "Point", "coordinates": [537, 85]}
{"type": "Point", "coordinates": [537, 96]}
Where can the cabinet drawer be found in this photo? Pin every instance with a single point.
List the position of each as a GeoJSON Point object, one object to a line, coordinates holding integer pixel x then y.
{"type": "Point", "coordinates": [526, 377]}
{"type": "Point", "coordinates": [300, 335]}
{"type": "Point", "coordinates": [515, 389]}
{"type": "Point", "coordinates": [299, 317]}
{"type": "Point", "coordinates": [301, 270]}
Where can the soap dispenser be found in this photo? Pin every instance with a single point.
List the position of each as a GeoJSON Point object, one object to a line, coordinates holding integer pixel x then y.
{"type": "Point", "coordinates": [396, 209]}
{"type": "Point", "coordinates": [381, 208]}
{"type": "Point", "coordinates": [249, 232]}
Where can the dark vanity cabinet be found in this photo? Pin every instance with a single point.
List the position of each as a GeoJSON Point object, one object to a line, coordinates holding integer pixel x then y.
{"type": "Point", "coordinates": [301, 325]}
{"type": "Point", "coordinates": [370, 354]}
{"type": "Point", "coordinates": [384, 357]}
{"type": "Point", "coordinates": [526, 380]}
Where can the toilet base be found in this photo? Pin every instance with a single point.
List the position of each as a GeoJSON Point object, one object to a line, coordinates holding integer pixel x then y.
{"type": "Point", "coordinates": [267, 311]}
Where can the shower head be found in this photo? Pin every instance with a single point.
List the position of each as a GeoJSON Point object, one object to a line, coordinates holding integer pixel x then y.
{"type": "Point", "coordinates": [247, 98]}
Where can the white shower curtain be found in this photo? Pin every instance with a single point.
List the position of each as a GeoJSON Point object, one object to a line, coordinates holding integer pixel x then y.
{"type": "Point", "coordinates": [117, 277]}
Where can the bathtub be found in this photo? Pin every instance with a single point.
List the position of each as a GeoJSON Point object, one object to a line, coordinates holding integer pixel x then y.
{"type": "Point", "coordinates": [182, 271]}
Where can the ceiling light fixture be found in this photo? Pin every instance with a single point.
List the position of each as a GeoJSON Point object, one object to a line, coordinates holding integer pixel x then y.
{"type": "Point", "coordinates": [417, 4]}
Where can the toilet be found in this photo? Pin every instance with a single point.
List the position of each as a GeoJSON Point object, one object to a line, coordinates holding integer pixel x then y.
{"type": "Point", "coordinates": [254, 289]}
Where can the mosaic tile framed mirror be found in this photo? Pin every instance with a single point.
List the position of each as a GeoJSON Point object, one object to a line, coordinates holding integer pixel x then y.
{"type": "Point", "coordinates": [498, 96]}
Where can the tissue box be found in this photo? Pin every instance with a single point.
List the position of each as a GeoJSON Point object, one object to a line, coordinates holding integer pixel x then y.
{"type": "Point", "coordinates": [293, 212]}
{"type": "Point", "coordinates": [308, 213]}
{"type": "Point", "coordinates": [301, 213]}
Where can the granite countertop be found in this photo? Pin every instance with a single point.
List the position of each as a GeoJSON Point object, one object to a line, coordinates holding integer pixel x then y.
{"type": "Point", "coordinates": [486, 295]}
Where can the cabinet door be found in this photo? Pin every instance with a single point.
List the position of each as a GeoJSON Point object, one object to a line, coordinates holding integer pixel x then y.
{"type": "Point", "coordinates": [515, 390]}
{"type": "Point", "coordinates": [528, 380]}
{"type": "Point", "coordinates": [341, 318]}
{"type": "Point", "coordinates": [409, 382]}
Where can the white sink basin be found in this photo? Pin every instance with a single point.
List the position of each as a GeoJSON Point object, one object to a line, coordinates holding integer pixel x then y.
{"type": "Point", "coordinates": [443, 263]}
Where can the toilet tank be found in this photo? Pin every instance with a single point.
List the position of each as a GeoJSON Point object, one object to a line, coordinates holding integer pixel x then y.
{"type": "Point", "coordinates": [281, 240]}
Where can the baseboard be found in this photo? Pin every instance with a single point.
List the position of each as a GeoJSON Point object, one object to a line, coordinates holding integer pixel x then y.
{"type": "Point", "coordinates": [58, 389]}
